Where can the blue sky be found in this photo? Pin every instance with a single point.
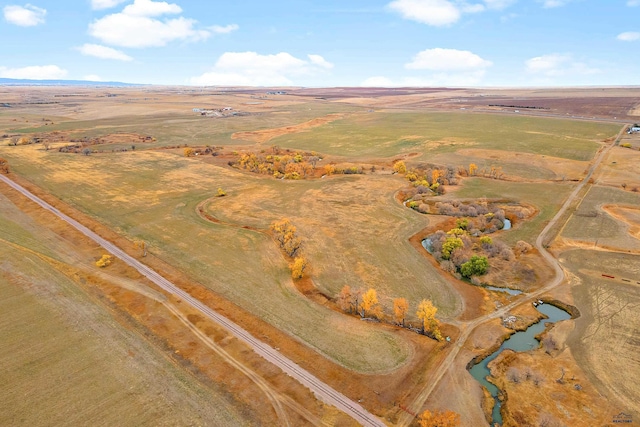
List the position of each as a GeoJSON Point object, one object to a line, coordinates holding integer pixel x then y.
{"type": "Point", "coordinates": [324, 43]}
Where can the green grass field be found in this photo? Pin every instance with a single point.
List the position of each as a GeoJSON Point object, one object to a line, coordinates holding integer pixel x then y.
{"type": "Point", "coordinates": [389, 134]}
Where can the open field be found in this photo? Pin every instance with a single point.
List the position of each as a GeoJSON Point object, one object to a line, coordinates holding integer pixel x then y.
{"type": "Point", "coordinates": [354, 230]}
{"type": "Point", "coordinates": [605, 341]}
{"type": "Point", "coordinates": [594, 226]}
{"type": "Point", "coordinates": [65, 361]}
{"type": "Point", "coordinates": [386, 134]}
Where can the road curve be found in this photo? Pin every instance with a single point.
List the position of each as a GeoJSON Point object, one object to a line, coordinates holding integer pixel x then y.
{"type": "Point", "coordinates": [468, 327]}
{"type": "Point", "coordinates": [321, 390]}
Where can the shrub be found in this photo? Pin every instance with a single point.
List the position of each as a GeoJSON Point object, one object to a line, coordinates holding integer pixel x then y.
{"type": "Point", "coordinates": [476, 266]}
{"type": "Point", "coordinates": [104, 261]}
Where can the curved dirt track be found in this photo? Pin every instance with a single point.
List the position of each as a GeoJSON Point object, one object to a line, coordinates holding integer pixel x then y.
{"type": "Point", "coordinates": [467, 328]}
{"type": "Point", "coordinates": [321, 390]}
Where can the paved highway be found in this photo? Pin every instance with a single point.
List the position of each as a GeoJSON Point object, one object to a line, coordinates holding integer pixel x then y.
{"type": "Point", "coordinates": [321, 390]}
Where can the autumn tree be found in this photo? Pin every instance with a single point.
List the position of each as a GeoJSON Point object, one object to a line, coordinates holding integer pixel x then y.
{"type": "Point", "coordinates": [104, 261]}
{"type": "Point", "coordinates": [285, 234]}
{"type": "Point", "coordinates": [427, 314]}
{"type": "Point", "coordinates": [472, 169]}
{"type": "Point", "coordinates": [370, 303]}
{"type": "Point", "coordinates": [4, 166]}
{"type": "Point", "coordinates": [400, 308]}
{"type": "Point", "coordinates": [298, 267]}
{"type": "Point", "coordinates": [221, 192]}
{"type": "Point", "coordinates": [344, 298]}
{"type": "Point", "coordinates": [188, 152]}
{"type": "Point", "coordinates": [400, 167]}
{"type": "Point", "coordinates": [439, 419]}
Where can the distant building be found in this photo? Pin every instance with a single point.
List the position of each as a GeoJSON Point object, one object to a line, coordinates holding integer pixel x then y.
{"type": "Point", "coordinates": [196, 110]}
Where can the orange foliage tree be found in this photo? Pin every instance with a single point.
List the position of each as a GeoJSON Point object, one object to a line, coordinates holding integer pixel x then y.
{"type": "Point", "coordinates": [439, 419]}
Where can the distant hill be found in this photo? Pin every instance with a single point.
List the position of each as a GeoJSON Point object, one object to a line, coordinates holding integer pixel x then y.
{"type": "Point", "coordinates": [25, 82]}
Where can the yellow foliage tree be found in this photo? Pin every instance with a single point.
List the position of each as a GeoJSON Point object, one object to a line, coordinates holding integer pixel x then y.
{"type": "Point", "coordinates": [427, 313]}
{"type": "Point", "coordinates": [400, 167]}
{"type": "Point", "coordinates": [439, 419]}
{"type": "Point", "coordinates": [221, 192]}
{"type": "Point", "coordinates": [370, 303]}
{"type": "Point", "coordinates": [188, 152]}
{"type": "Point", "coordinates": [400, 308]}
{"type": "Point", "coordinates": [285, 233]}
{"type": "Point", "coordinates": [472, 169]}
{"type": "Point", "coordinates": [298, 267]}
{"type": "Point", "coordinates": [104, 261]}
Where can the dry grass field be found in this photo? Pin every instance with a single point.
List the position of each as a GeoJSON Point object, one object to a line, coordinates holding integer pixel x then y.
{"type": "Point", "coordinates": [353, 228]}
{"type": "Point", "coordinates": [66, 361]}
{"type": "Point", "coordinates": [605, 339]}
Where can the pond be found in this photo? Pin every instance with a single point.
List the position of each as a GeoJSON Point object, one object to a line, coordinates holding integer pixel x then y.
{"type": "Point", "coordinates": [520, 341]}
{"type": "Point", "coordinates": [507, 225]}
{"type": "Point", "coordinates": [507, 290]}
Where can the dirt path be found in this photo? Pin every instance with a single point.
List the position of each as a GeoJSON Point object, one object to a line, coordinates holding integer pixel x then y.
{"type": "Point", "coordinates": [468, 327]}
{"type": "Point", "coordinates": [321, 390]}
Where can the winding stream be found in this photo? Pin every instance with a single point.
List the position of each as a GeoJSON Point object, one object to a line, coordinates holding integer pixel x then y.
{"type": "Point", "coordinates": [520, 341]}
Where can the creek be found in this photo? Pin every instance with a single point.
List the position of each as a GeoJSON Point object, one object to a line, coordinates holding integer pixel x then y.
{"type": "Point", "coordinates": [520, 341]}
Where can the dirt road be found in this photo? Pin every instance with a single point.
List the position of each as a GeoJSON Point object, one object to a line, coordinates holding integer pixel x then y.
{"type": "Point", "coordinates": [321, 390]}
{"type": "Point", "coordinates": [468, 327]}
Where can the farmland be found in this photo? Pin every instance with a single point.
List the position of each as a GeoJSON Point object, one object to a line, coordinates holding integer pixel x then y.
{"type": "Point", "coordinates": [134, 179]}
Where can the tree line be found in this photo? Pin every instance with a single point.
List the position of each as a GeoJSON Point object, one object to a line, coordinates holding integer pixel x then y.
{"type": "Point", "coordinates": [365, 303]}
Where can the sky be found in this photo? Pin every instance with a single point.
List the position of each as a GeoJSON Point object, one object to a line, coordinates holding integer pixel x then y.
{"type": "Point", "coordinates": [389, 43]}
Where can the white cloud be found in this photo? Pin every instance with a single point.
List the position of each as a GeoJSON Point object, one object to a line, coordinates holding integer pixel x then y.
{"type": "Point", "coordinates": [24, 16]}
{"type": "Point", "coordinates": [629, 36]}
{"type": "Point", "coordinates": [499, 4]}
{"type": "Point", "coordinates": [103, 52]}
{"type": "Point", "coordinates": [151, 8]}
{"type": "Point", "coordinates": [439, 59]}
{"type": "Point", "coordinates": [550, 4]}
{"type": "Point", "coordinates": [320, 61]}
{"type": "Point", "coordinates": [224, 30]}
{"type": "Point", "coordinates": [556, 65]}
{"type": "Point", "coordinates": [137, 27]}
{"type": "Point", "coordinates": [105, 4]}
{"type": "Point", "coordinates": [253, 69]}
{"type": "Point", "coordinates": [431, 12]}
{"type": "Point", "coordinates": [37, 72]}
{"type": "Point", "coordinates": [632, 3]}
{"type": "Point", "coordinates": [439, 67]}
{"type": "Point", "coordinates": [443, 12]}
